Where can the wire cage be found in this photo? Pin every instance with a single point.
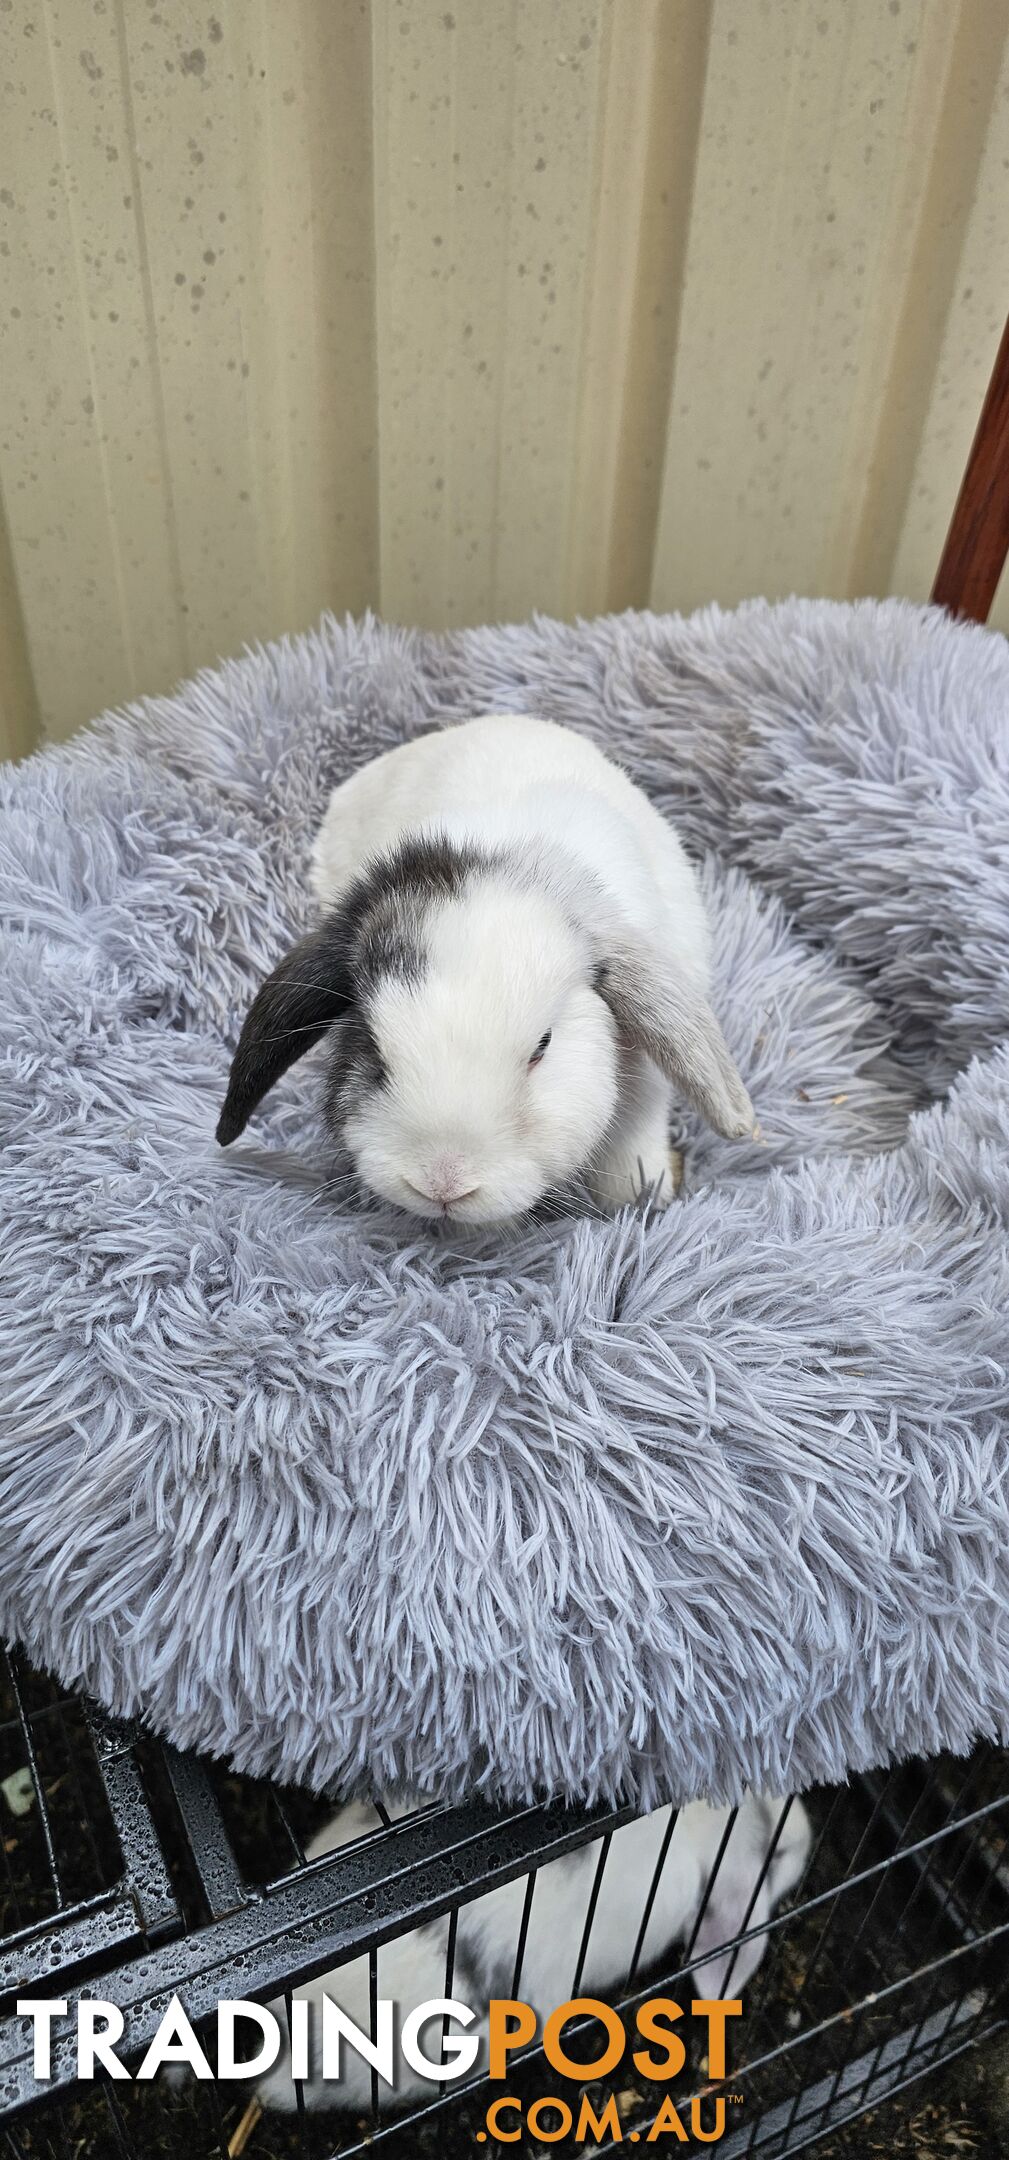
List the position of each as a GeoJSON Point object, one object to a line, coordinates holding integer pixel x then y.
{"type": "Point", "coordinates": [132, 1872]}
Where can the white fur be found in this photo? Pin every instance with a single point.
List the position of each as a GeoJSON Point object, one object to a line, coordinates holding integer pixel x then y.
{"type": "Point", "coordinates": [464, 1126]}
{"type": "Point", "coordinates": [411, 1969]}
{"type": "Point", "coordinates": [463, 1113]}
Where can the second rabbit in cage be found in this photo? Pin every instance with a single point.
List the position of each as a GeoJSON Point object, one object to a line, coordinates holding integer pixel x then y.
{"type": "Point", "coordinates": [696, 1889]}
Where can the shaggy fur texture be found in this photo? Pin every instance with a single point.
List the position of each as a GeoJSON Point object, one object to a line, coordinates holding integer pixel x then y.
{"type": "Point", "coordinates": [671, 1504]}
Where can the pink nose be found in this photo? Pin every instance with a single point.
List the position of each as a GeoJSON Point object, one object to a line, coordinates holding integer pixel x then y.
{"type": "Point", "coordinates": [447, 1180]}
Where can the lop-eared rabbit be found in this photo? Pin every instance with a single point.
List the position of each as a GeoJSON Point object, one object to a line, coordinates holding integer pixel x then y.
{"type": "Point", "coordinates": [513, 964]}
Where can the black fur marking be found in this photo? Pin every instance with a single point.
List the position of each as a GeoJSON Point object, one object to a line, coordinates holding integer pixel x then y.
{"type": "Point", "coordinates": [356, 1069]}
{"type": "Point", "coordinates": [385, 911]}
{"type": "Point", "coordinates": [376, 931]}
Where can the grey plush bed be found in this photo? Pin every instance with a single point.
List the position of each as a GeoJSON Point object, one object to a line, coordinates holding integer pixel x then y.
{"type": "Point", "coordinates": [664, 1504]}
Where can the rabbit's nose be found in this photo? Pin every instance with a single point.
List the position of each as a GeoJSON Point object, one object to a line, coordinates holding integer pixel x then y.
{"type": "Point", "coordinates": [447, 1181]}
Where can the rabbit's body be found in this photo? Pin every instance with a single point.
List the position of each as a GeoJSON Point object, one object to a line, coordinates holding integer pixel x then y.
{"type": "Point", "coordinates": [509, 780]}
{"type": "Point", "coordinates": [515, 950]}
{"type": "Point", "coordinates": [412, 1968]}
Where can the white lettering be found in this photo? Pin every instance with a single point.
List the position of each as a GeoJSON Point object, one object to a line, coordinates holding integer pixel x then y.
{"type": "Point", "coordinates": [461, 2052]}
{"type": "Point", "coordinates": [298, 2023]}
{"type": "Point", "coordinates": [337, 2027]}
{"type": "Point", "coordinates": [228, 2014]}
{"type": "Point", "coordinates": [94, 2046]}
{"type": "Point", "coordinates": [42, 2010]}
{"type": "Point", "coordinates": [175, 2042]}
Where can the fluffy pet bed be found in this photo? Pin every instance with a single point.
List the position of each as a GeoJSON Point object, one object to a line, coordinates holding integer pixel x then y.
{"type": "Point", "coordinates": [667, 1504]}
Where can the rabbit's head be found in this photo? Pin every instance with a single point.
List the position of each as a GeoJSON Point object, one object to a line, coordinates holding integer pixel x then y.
{"type": "Point", "coordinates": [479, 1003]}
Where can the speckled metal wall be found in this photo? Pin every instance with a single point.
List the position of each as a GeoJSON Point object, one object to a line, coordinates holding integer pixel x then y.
{"type": "Point", "coordinates": [461, 311]}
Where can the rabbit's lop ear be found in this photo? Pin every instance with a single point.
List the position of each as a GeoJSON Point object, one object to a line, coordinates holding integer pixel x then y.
{"type": "Point", "coordinates": [291, 1010]}
{"type": "Point", "coordinates": [669, 1018]}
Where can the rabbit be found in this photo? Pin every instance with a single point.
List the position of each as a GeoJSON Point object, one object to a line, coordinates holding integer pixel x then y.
{"type": "Point", "coordinates": [412, 1968]}
{"type": "Point", "coordinates": [514, 947]}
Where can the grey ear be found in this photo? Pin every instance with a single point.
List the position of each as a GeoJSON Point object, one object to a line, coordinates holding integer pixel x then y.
{"type": "Point", "coordinates": [669, 1018]}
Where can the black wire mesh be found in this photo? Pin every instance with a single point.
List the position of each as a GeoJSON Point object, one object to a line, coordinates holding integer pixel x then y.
{"type": "Point", "coordinates": [131, 1871]}
{"type": "Point", "coordinates": [82, 1869]}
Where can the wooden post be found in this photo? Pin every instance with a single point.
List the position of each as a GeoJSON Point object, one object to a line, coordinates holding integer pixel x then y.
{"type": "Point", "coordinates": [978, 539]}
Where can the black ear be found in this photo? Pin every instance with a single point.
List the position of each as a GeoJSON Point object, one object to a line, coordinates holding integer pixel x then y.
{"type": "Point", "coordinates": [293, 1008]}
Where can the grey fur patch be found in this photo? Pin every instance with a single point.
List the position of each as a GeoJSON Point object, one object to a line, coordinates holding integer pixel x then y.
{"type": "Point", "coordinates": [383, 923]}
{"type": "Point", "coordinates": [384, 916]}
{"type": "Point", "coordinates": [355, 1070]}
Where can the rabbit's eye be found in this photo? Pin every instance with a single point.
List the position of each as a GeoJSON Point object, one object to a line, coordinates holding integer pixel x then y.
{"type": "Point", "coordinates": [541, 1048]}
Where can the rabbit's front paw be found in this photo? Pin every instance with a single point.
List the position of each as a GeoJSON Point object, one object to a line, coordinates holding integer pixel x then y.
{"type": "Point", "coordinates": [650, 1178]}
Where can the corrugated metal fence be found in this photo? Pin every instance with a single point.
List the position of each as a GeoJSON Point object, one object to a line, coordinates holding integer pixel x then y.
{"type": "Point", "coordinates": [459, 310]}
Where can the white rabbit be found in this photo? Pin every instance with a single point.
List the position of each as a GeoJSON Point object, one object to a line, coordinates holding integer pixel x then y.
{"type": "Point", "coordinates": [516, 951]}
{"type": "Point", "coordinates": [412, 1969]}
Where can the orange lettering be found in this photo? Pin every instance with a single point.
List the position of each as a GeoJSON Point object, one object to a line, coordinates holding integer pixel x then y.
{"type": "Point", "coordinates": [591, 2125]}
{"type": "Point", "coordinates": [651, 2026]}
{"type": "Point", "coordinates": [510, 2025]}
{"type": "Point", "coordinates": [707, 2137]}
{"type": "Point", "coordinates": [506, 2137]}
{"type": "Point", "coordinates": [583, 2006]}
{"type": "Point", "coordinates": [716, 2014]}
{"type": "Point", "coordinates": [666, 2119]}
{"type": "Point", "coordinates": [557, 2107]}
